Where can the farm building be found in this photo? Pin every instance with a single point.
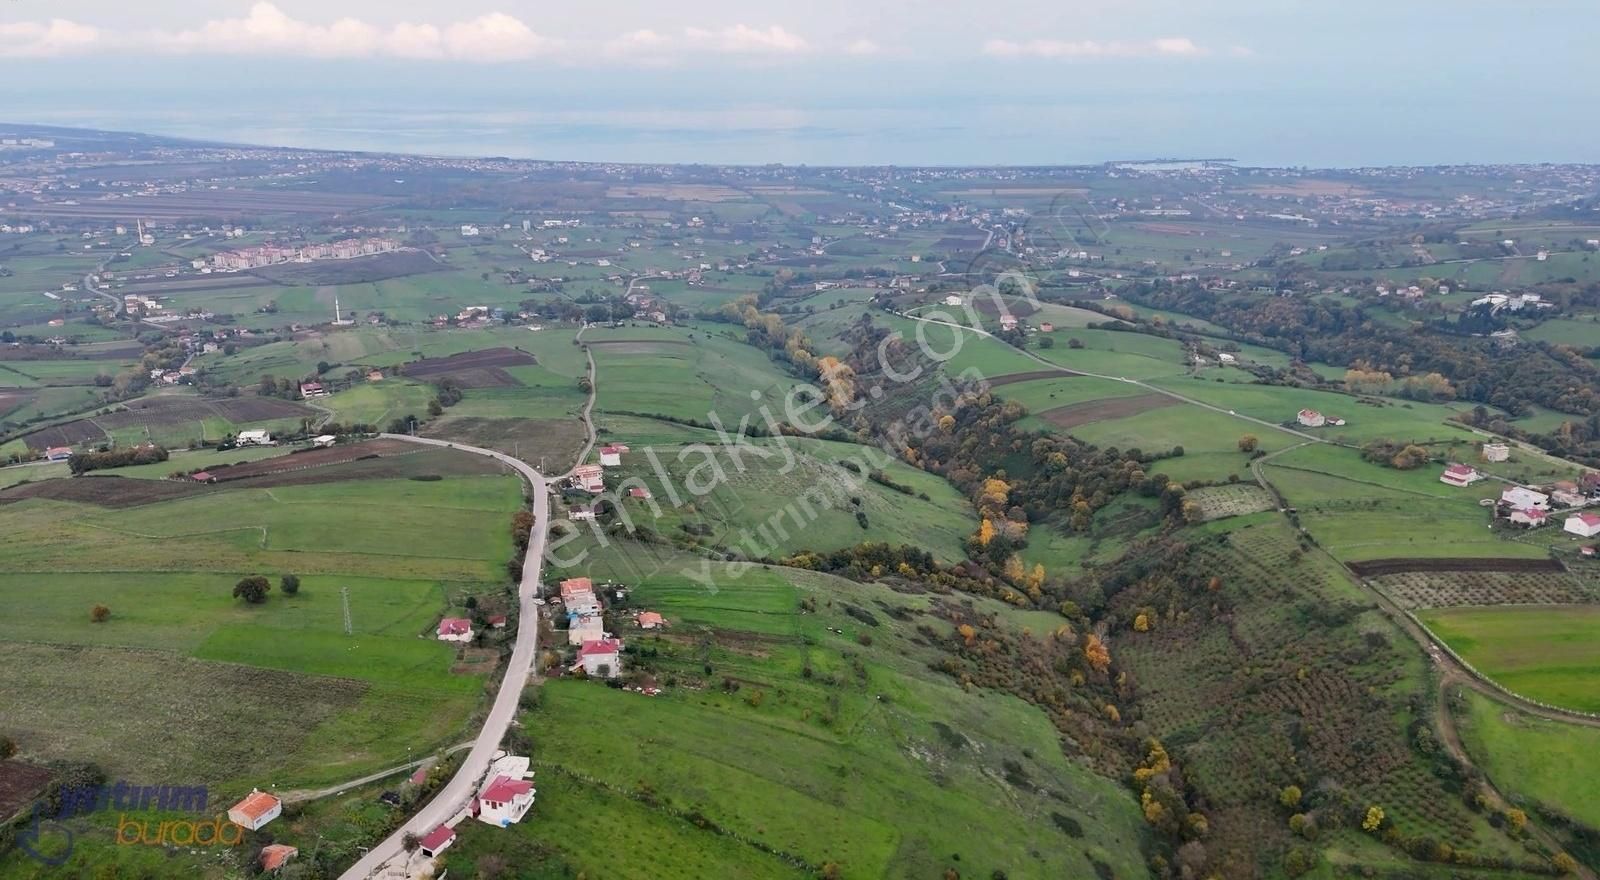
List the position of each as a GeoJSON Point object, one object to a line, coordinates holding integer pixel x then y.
{"type": "Point", "coordinates": [253, 438]}
{"type": "Point", "coordinates": [374, 375]}
{"type": "Point", "coordinates": [1459, 475]}
{"type": "Point", "coordinates": [455, 629]}
{"type": "Point", "coordinates": [611, 456]}
{"type": "Point", "coordinates": [256, 810]}
{"type": "Point", "coordinates": [1310, 418]}
{"type": "Point", "coordinates": [203, 477]}
{"type": "Point", "coordinates": [1584, 525]}
{"type": "Point", "coordinates": [1519, 498]}
{"type": "Point", "coordinates": [1590, 483]}
{"type": "Point", "coordinates": [1496, 452]}
{"type": "Point", "coordinates": [312, 389]}
{"type": "Point", "coordinates": [323, 441]}
{"type": "Point", "coordinates": [504, 801]}
{"type": "Point", "coordinates": [1531, 517]}
{"type": "Point", "coordinates": [585, 628]}
{"type": "Point", "coordinates": [1047, 327]}
{"type": "Point", "coordinates": [589, 478]}
{"type": "Point", "coordinates": [437, 841]}
{"type": "Point", "coordinates": [1008, 322]}
{"type": "Point", "coordinates": [601, 657]}
{"type": "Point", "coordinates": [58, 453]}
{"type": "Point", "coordinates": [639, 492]}
{"type": "Point", "coordinates": [583, 514]}
{"type": "Point", "coordinates": [275, 856]}
{"type": "Point", "coordinates": [651, 620]}
{"type": "Point", "coordinates": [952, 300]}
{"type": "Point", "coordinates": [497, 621]}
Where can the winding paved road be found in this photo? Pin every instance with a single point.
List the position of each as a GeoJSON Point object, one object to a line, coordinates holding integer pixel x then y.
{"type": "Point", "coordinates": [388, 859]}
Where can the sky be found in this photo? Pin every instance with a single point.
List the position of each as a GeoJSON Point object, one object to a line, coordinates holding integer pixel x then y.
{"type": "Point", "coordinates": [828, 81]}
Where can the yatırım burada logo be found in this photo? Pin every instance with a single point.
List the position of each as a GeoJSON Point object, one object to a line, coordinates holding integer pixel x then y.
{"type": "Point", "coordinates": [48, 839]}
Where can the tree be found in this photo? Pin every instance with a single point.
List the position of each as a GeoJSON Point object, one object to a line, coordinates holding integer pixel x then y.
{"type": "Point", "coordinates": [1290, 796]}
{"type": "Point", "coordinates": [289, 584]}
{"type": "Point", "coordinates": [1248, 443]}
{"type": "Point", "coordinates": [252, 589]}
{"type": "Point", "coordinates": [1047, 342]}
{"type": "Point", "coordinates": [7, 747]}
{"type": "Point", "coordinates": [1564, 863]}
{"type": "Point", "coordinates": [410, 841]}
{"type": "Point", "coordinates": [1410, 458]}
{"type": "Point", "coordinates": [1096, 653]}
{"type": "Point", "coordinates": [1141, 623]}
{"type": "Point", "coordinates": [1516, 820]}
{"type": "Point", "coordinates": [1373, 820]}
{"type": "Point", "coordinates": [99, 613]}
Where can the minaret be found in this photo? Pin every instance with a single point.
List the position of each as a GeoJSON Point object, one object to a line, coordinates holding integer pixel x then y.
{"type": "Point", "coordinates": [336, 308]}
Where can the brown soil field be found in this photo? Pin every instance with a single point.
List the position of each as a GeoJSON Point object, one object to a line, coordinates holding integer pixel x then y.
{"type": "Point", "coordinates": [1030, 376]}
{"type": "Point", "coordinates": [557, 441]}
{"type": "Point", "coordinates": [1309, 188]}
{"type": "Point", "coordinates": [67, 434]}
{"type": "Point", "coordinates": [1020, 308]}
{"type": "Point", "coordinates": [313, 458]}
{"type": "Point", "coordinates": [1075, 414]}
{"type": "Point", "coordinates": [103, 491]}
{"type": "Point", "coordinates": [685, 192]}
{"type": "Point", "coordinates": [11, 398]}
{"type": "Point", "coordinates": [473, 369]}
{"type": "Point", "coordinates": [19, 784]}
{"type": "Point", "coordinates": [1025, 190]}
{"type": "Point", "coordinates": [1168, 229]}
{"type": "Point", "coordinates": [1380, 567]}
{"type": "Point", "coordinates": [259, 409]}
{"type": "Point", "coordinates": [219, 203]}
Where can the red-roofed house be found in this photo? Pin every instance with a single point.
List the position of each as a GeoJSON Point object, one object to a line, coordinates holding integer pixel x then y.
{"type": "Point", "coordinates": [203, 477]}
{"type": "Point", "coordinates": [455, 629]}
{"type": "Point", "coordinates": [651, 620]}
{"type": "Point", "coordinates": [437, 841]}
{"type": "Point", "coordinates": [611, 456]}
{"type": "Point", "coordinates": [273, 856]}
{"type": "Point", "coordinates": [58, 453]}
{"type": "Point", "coordinates": [590, 478]}
{"type": "Point", "coordinates": [312, 389]}
{"type": "Point", "coordinates": [504, 801]}
{"type": "Point", "coordinates": [1311, 418]}
{"type": "Point", "coordinates": [1531, 517]}
{"type": "Point", "coordinates": [498, 621]}
{"type": "Point", "coordinates": [257, 809]}
{"type": "Point", "coordinates": [573, 586]}
{"type": "Point", "coordinates": [601, 657]}
{"type": "Point", "coordinates": [639, 492]}
{"type": "Point", "coordinates": [420, 777]}
{"type": "Point", "coordinates": [1584, 525]}
{"type": "Point", "coordinates": [1459, 475]}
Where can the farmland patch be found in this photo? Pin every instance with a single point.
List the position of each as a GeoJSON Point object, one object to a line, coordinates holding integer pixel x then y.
{"type": "Point", "coordinates": [1446, 589]}
{"type": "Point", "coordinates": [1073, 415]}
{"type": "Point", "coordinates": [473, 369]}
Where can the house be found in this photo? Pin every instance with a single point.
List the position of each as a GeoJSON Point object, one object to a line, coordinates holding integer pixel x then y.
{"type": "Point", "coordinates": [611, 456]}
{"type": "Point", "coordinates": [573, 586]}
{"type": "Point", "coordinates": [589, 478]}
{"type": "Point", "coordinates": [58, 453]}
{"type": "Point", "coordinates": [273, 856]}
{"type": "Point", "coordinates": [1521, 499]}
{"type": "Point", "coordinates": [952, 300]}
{"type": "Point", "coordinates": [585, 628]}
{"type": "Point", "coordinates": [1047, 327]}
{"type": "Point", "coordinates": [601, 657]}
{"type": "Point", "coordinates": [437, 841]}
{"type": "Point", "coordinates": [1459, 475]}
{"type": "Point", "coordinates": [1008, 322]}
{"type": "Point", "coordinates": [1531, 517]}
{"type": "Point", "coordinates": [1590, 483]}
{"type": "Point", "coordinates": [504, 801]}
{"type": "Point", "coordinates": [1225, 358]}
{"type": "Point", "coordinates": [455, 629]}
{"type": "Point", "coordinates": [420, 777]}
{"type": "Point", "coordinates": [203, 477]}
{"type": "Point", "coordinates": [256, 810]}
{"type": "Point", "coordinates": [651, 620]}
{"type": "Point", "coordinates": [312, 389]}
{"type": "Point", "coordinates": [639, 492]}
{"type": "Point", "coordinates": [1587, 550]}
{"type": "Point", "coordinates": [253, 438]}
{"type": "Point", "coordinates": [1311, 418]}
{"type": "Point", "coordinates": [1567, 497]}
{"type": "Point", "coordinates": [1496, 452]}
{"type": "Point", "coordinates": [1584, 525]}
{"type": "Point", "coordinates": [497, 621]}
{"type": "Point", "coordinates": [374, 375]}
{"type": "Point", "coordinates": [324, 441]}
{"type": "Point", "coordinates": [585, 514]}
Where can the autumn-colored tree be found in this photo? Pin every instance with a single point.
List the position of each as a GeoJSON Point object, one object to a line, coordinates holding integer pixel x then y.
{"type": "Point", "coordinates": [1290, 796]}
{"type": "Point", "coordinates": [1409, 458]}
{"type": "Point", "coordinates": [1373, 820]}
{"type": "Point", "coordinates": [1141, 623]}
{"type": "Point", "coordinates": [967, 633]}
{"type": "Point", "coordinates": [1564, 863]}
{"type": "Point", "coordinates": [1154, 812]}
{"type": "Point", "coordinates": [1096, 653]}
{"type": "Point", "coordinates": [1014, 571]}
{"type": "Point", "coordinates": [1248, 443]}
{"type": "Point", "coordinates": [1516, 820]}
{"type": "Point", "coordinates": [1036, 577]}
{"type": "Point", "coordinates": [1193, 512]}
{"type": "Point", "coordinates": [1112, 715]}
{"type": "Point", "coordinates": [99, 613]}
{"type": "Point", "coordinates": [947, 423]}
{"type": "Point", "coordinates": [1214, 584]}
{"type": "Point", "coordinates": [985, 533]}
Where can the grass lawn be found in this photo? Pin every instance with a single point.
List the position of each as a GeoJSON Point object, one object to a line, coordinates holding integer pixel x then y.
{"type": "Point", "coordinates": [1532, 758]}
{"type": "Point", "coordinates": [1547, 654]}
{"type": "Point", "coordinates": [1384, 419]}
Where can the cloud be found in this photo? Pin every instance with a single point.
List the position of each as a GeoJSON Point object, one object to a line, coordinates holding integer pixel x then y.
{"type": "Point", "coordinates": [863, 47]}
{"type": "Point", "coordinates": [268, 30]}
{"type": "Point", "coordinates": [736, 40]}
{"type": "Point", "coordinates": [29, 39]}
{"type": "Point", "coordinates": [740, 39]}
{"type": "Point", "coordinates": [1167, 47]}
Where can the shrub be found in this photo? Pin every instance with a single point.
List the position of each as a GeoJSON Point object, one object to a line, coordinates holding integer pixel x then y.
{"type": "Point", "coordinates": [289, 584]}
{"type": "Point", "coordinates": [99, 613]}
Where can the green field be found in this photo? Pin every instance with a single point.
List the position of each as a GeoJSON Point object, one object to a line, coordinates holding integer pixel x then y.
{"type": "Point", "coordinates": [1533, 758]}
{"type": "Point", "coordinates": [1547, 654]}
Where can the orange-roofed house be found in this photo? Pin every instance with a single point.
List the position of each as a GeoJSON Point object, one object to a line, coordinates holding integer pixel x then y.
{"type": "Point", "coordinates": [651, 620]}
{"type": "Point", "coordinates": [273, 856]}
{"type": "Point", "coordinates": [256, 810]}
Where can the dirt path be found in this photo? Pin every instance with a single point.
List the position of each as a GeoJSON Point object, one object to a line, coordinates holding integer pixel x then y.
{"type": "Point", "coordinates": [588, 407]}
{"type": "Point", "coordinates": [311, 794]}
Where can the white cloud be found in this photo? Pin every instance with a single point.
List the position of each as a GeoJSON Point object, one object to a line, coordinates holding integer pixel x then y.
{"type": "Point", "coordinates": [1170, 47]}
{"type": "Point", "coordinates": [863, 47]}
{"type": "Point", "coordinates": [268, 30]}
{"type": "Point", "coordinates": [741, 39]}
{"type": "Point", "coordinates": [30, 39]}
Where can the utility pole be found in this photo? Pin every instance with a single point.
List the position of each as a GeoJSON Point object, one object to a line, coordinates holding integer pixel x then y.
{"type": "Point", "coordinates": [344, 596]}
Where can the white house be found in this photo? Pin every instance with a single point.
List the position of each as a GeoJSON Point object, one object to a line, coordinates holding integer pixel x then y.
{"type": "Point", "coordinates": [253, 438]}
{"type": "Point", "coordinates": [437, 841]}
{"type": "Point", "coordinates": [610, 456]}
{"type": "Point", "coordinates": [585, 628]}
{"type": "Point", "coordinates": [601, 657]}
{"type": "Point", "coordinates": [1311, 418]}
{"type": "Point", "coordinates": [455, 629]}
{"type": "Point", "coordinates": [257, 809]}
{"type": "Point", "coordinates": [504, 801]}
{"type": "Point", "coordinates": [1584, 525]}
{"type": "Point", "coordinates": [324, 441]}
{"type": "Point", "coordinates": [1523, 499]}
{"type": "Point", "coordinates": [1459, 475]}
{"type": "Point", "coordinates": [584, 514]}
{"type": "Point", "coordinates": [1531, 517]}
{"type": "Point", "coordinates": [1496, 452]}
{"type": "Point", "coordinates": [589, 478]}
